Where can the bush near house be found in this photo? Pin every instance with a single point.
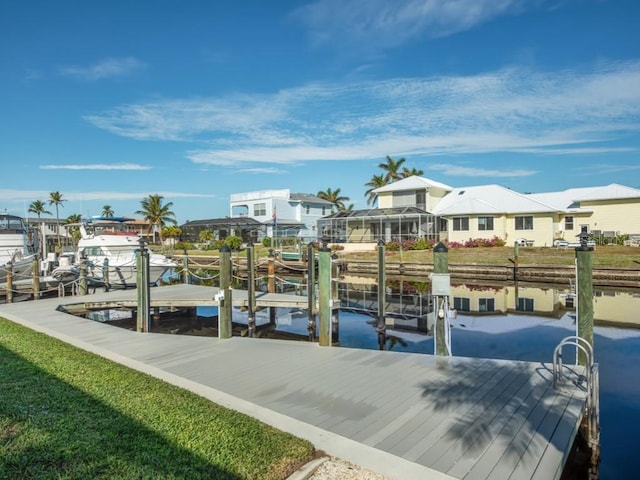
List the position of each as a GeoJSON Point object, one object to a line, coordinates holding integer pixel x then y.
{"type": "Point", "coordinates": [478, 242]}
{"type": "Point", "coordinates": [420, 244]}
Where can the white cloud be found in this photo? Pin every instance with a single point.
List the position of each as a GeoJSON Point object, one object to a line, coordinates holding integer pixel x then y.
{"type": "Point", "coordinates": [97, 166]}
{"type": "Point", "coordinates": [110, 67]}
{"type": "Point", "coordinates": [381, 23]}
{"type": "Point", "coordinates": [262, 171]}
{"type": "Point", "coordinates": [31, 195]}
{"type": "Point", "coordinates": [510, 110]}
{"type": "Point", "coordinates": [461, 171]}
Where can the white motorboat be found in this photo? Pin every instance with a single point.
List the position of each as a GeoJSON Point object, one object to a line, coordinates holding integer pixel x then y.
{"type": "Point", "coordinates": [105, 242]}
{"type": "Point", "coordinates": [18, 247]}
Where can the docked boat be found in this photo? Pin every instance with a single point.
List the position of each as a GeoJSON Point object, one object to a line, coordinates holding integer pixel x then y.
{"type": "Point", "coordinates": [18, 247]}
{"type": "Point", "coordinates": [111, 253]}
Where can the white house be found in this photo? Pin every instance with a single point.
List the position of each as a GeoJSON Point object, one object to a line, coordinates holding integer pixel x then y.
{"type": "Point", "coordinates": [282, 212]}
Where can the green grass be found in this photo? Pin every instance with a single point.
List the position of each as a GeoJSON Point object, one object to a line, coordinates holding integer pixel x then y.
{"type": "Point", "coordinates": [68, 414]}
{"type": "Point", "coordinates": [603, 256]}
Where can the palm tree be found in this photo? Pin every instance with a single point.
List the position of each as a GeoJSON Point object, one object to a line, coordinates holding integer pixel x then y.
{"type": "Point", "coordinates": [392, 169]}
{"type": "Point", "coordinates": [376, 181]}
{"type": "Point", "coordinates": [410, 173]}
{"type": "Point", "coordinates": [156, 213]}
{"type": "Point", "coordinates": [74, 219]}
{"type": "Point", "coordinates": [107, 211]}
{"type": "Point", "coordinates": [172, 232]}
{"type": "Point", "coordinates": [206, 236]}
{"type": "Point", "coordinates": [334, 197]}
{"type": "Point", "coordinates": [38, 207]}
{"type": "Point", "coordinates": [55, 198]}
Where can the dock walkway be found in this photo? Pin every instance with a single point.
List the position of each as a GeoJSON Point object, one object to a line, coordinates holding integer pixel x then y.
{"type": "Point", "coordinates": [407, 416]}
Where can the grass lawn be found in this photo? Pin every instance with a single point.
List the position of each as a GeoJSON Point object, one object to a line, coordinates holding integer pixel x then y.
{"type": "Point", "coordinates": [68, 414]}
{"type": "Point", "coordinates": [603, 256]}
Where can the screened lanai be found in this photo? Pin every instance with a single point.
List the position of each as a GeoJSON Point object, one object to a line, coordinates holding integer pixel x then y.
{"type": "Point", "coordinates": [372, 225]}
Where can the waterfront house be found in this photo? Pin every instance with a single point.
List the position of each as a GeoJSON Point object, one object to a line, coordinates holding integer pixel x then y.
{"type": "Point", "coordinates": [284, 214]}
{"type": "Point", "coordinates": [491, 210]}
{"type": "Point", "coordinates": [402, 213]}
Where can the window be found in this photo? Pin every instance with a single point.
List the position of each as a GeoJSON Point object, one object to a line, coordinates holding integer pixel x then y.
{"type": "Point", "coordinates": [524, 222]}
{"type": "Point", "coordinates": [486, 305]}
{"type": "Point", "coordinates": [460, 224]}
{"type": "Point", "coordinates": [421, 199]}
{"type": "Point", "coordinates": [525, 304]}
{"type": "Point", "coordinates": [308, 210]}
{"type": "Point", "coordinates": [259, 209]}
{"type": "Point", "coordinates": [485, 223]}
{"type": "Point", "coordinates": [461, 304]}
{"type": "Point", "coordinates": [324, 210]}
{"type": "Point", "coordinates": [568, 223]}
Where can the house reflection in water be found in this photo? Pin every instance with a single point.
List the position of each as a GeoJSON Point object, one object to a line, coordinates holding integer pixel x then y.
{"type": "Point", "coordinates": [408, 300]}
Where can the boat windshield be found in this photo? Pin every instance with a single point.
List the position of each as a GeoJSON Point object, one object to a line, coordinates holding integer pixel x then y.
{"type": "Point", "coordinates": [10, 223]}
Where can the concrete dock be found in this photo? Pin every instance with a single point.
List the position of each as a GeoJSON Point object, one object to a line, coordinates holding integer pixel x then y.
{"type": "Point", "coordinates": [407, 416]}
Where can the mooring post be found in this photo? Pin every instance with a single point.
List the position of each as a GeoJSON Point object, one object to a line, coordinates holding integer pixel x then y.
{"type": "Point", "coordinates": [335, 301]}
{"type": "Point", "coordinates": [142, 289]}
{"type": "Point", "coordinates": [36, 278]}
{"type": "Point", "coordinates": [105, 274]}
{"type": "Point", "coordinates": [324, 295]}
{"type": "Point", "coordinates": [225, 307]}
{"type": "Point", "coordinates": [251, 293]}
{"type": "Point", "coordinates": [440, 266]}
{"type": "Point", "coordinates": [271, 283]}
{"type": "Point", "coordinates": [381, 326]}
{"type": "Point", "coordinates": [185, 268]}
{"type": "Point", "coordinates": [516, 248]}
{"type": "Point", "coordinates": [311, 291]}
{"type": "Point", "coordinates": [584, 289]}
{"type": "Point", "coordinates": [9, 273]}
{"type": "Point", "coordinates": [82, 279]}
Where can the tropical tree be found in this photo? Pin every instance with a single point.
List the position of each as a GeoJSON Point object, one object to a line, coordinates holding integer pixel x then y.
{"type": "Point", "coordinates": [410, 173]}
{"type": "Point", "coordinates": [392, 169]}
{"type": "Point", "coordinates": [156, 213]}
{"type": "Point", "coordinates": [376, 181]}
{"type": "Point", "coordinates": [172, 232]}
{"type": "Point", "coordinates": [107, 211]}
{"type": "Point", "coordinates": [74, 230]}
{"type": "Point", "coordinates": [56, 198]}
{"type": "Point", "coordinates": [334, 197]}
{"type": "Point", "coordinates": [38, 207]}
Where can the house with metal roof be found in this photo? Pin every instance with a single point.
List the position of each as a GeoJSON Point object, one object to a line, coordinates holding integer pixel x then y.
{"type": "Point", "coordinates": [491, 210]}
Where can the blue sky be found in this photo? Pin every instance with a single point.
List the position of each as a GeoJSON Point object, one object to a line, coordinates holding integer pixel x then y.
{"type": "Point", "coordinates": [109, 102]}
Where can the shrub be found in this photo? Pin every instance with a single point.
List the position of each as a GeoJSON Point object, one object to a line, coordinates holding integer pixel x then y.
{"type": "Point", "coordinates": [266, 242]}
{"type": "Point", "coordinates": [233, 242]}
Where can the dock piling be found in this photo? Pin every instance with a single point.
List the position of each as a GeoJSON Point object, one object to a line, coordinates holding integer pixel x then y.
{"type": "Point", "coordinates": [440, 299]}
{"type": "Point", "coordinates": [225, 308]}
{"type": "Point", "coordinates": [584, 290]}
{"type": "Point", "coordinates": [324, 294]}
{"type": "Point", "coordinates": [9, 274]}
{"type": "Point", "coordinates": [311, 291]}
{"type": "Point", "coordinates": [382, 293]}
{"type": "Point", "coordinates": [251, 293]}
{"type": "Point", "coordinates": [143, 310]}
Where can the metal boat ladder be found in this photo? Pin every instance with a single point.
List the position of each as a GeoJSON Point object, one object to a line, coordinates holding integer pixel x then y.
{"type": "Point", "coordinates": [591, 415]}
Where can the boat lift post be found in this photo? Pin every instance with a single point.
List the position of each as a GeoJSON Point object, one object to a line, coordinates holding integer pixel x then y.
{"type": "Point", "coordinates": [324, 295]}
{"type": "Point", "coordinates": [381, 326]}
